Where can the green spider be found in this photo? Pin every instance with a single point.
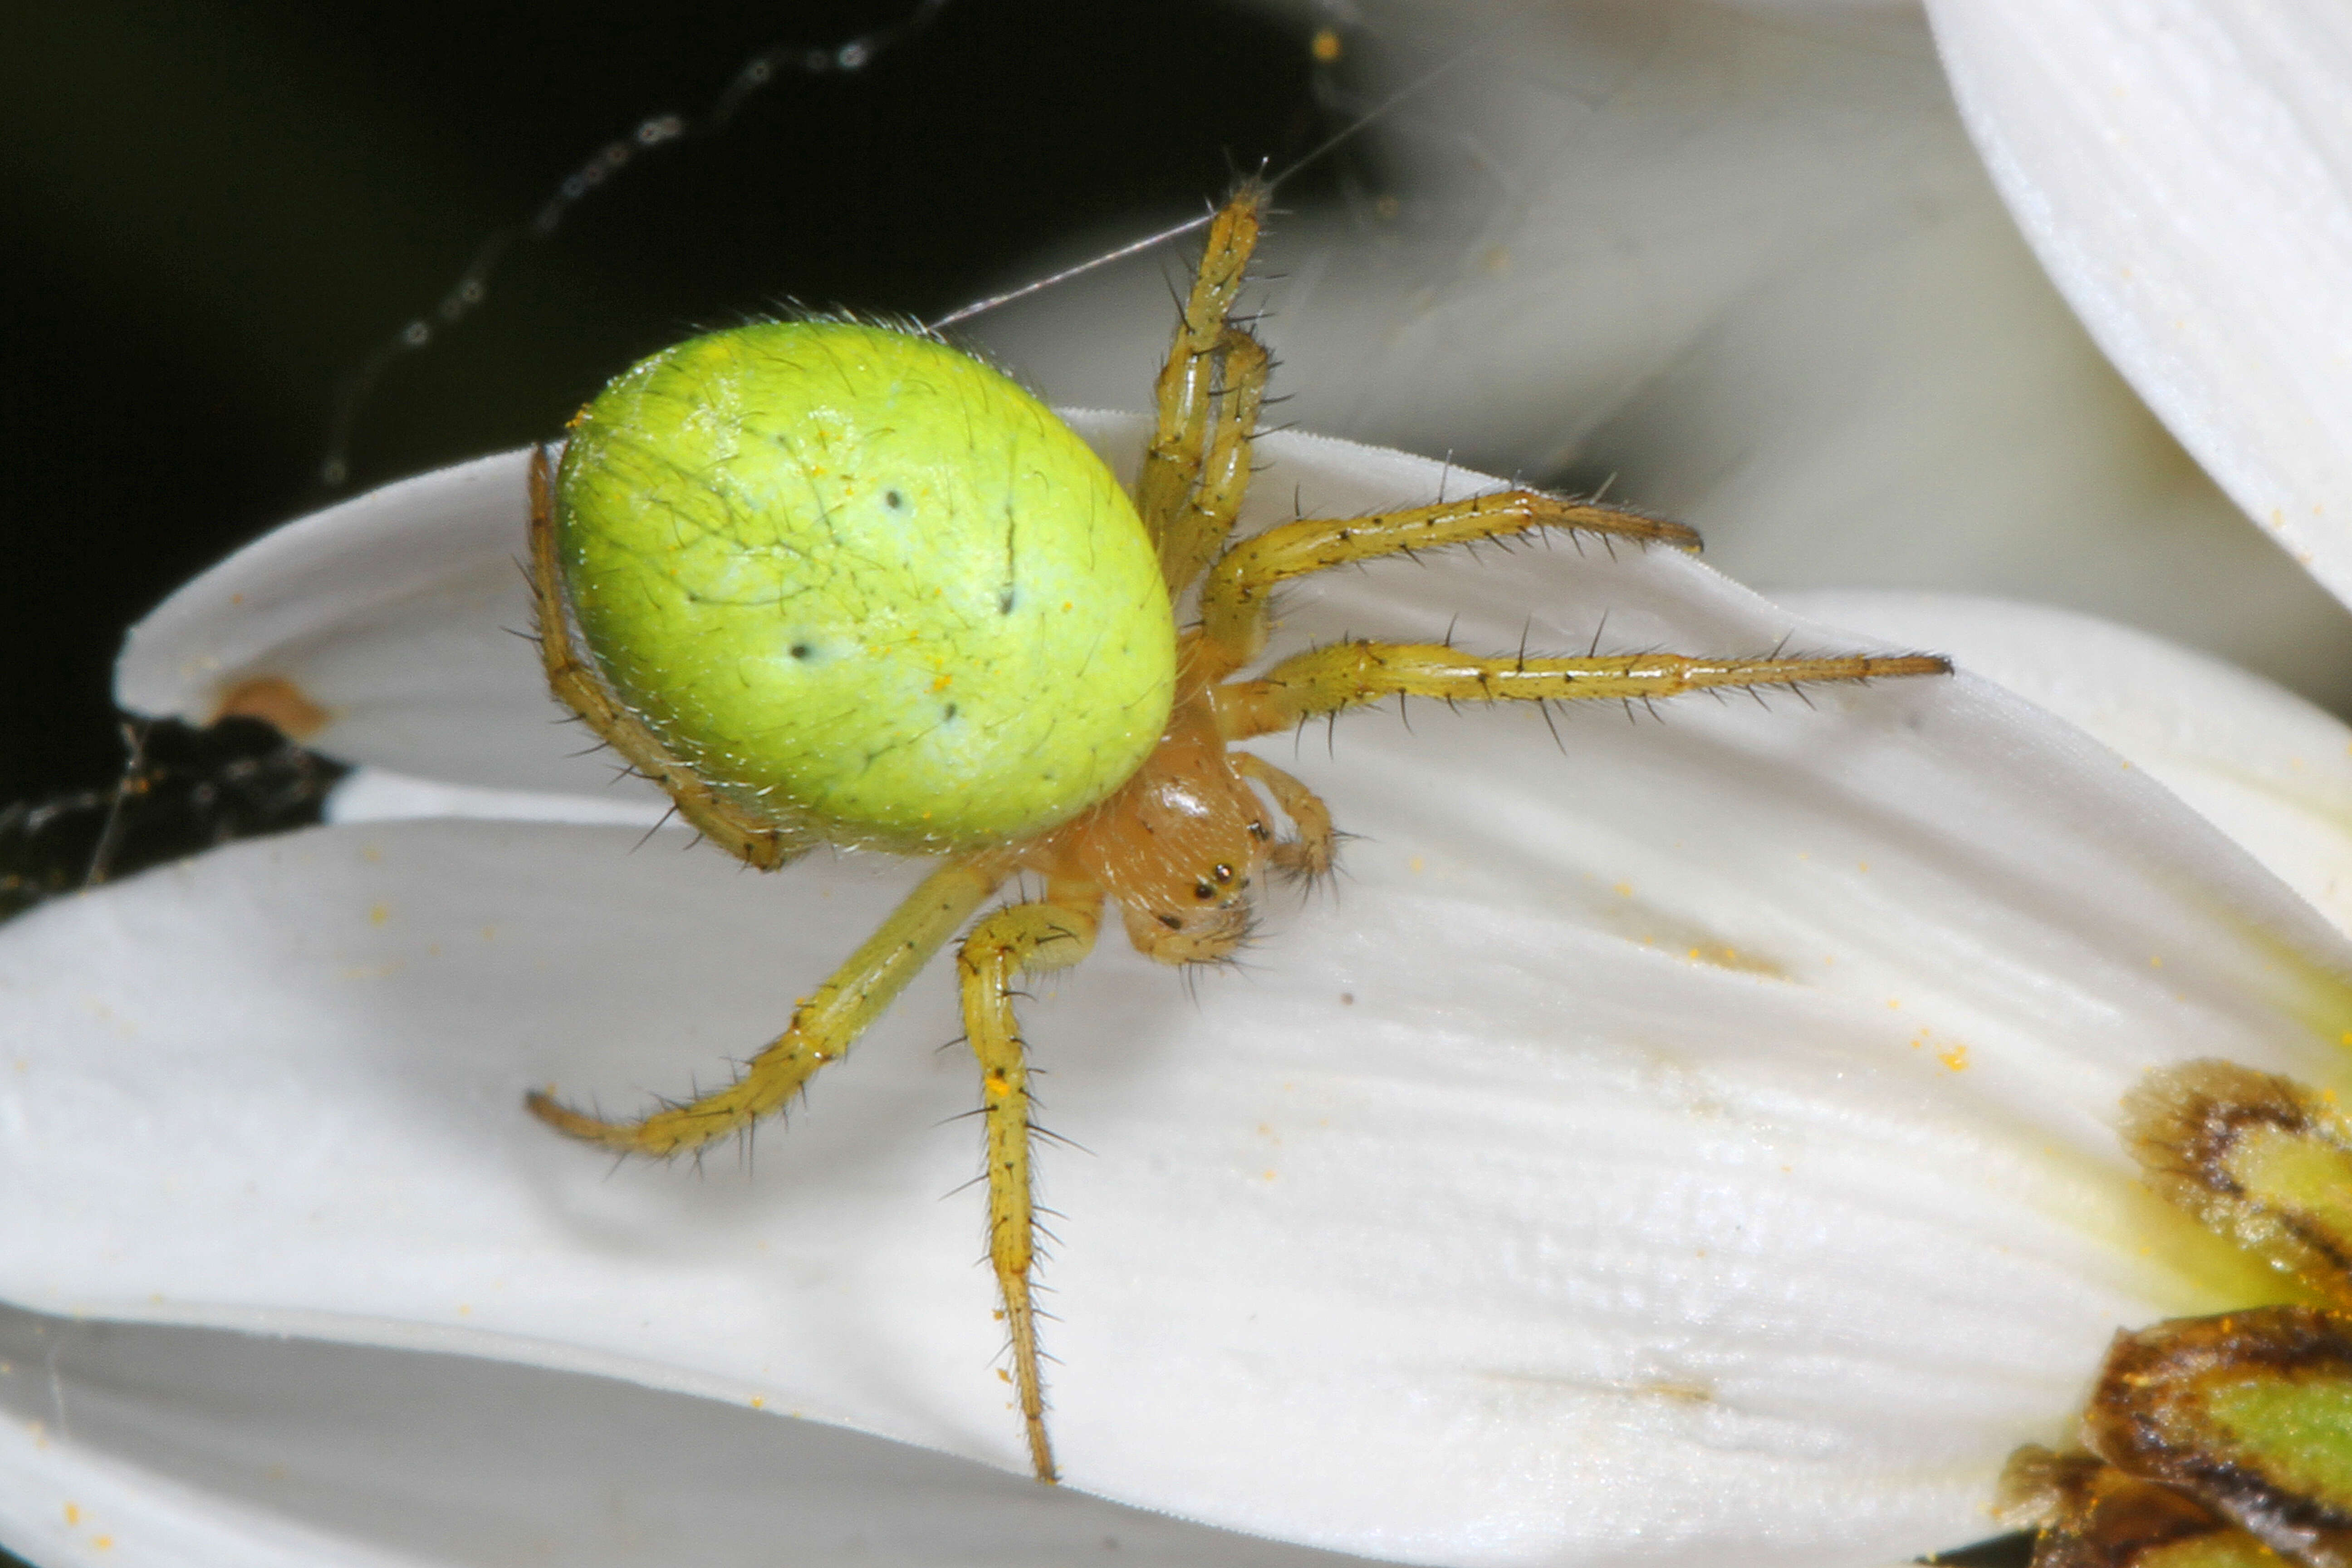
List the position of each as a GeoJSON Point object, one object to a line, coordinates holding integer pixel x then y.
{"type": "Point", "coordinates": [836, 582]}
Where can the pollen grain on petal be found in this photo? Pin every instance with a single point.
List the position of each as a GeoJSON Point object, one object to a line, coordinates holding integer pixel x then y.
{"type": "Point", "coordinates": [276, 701]}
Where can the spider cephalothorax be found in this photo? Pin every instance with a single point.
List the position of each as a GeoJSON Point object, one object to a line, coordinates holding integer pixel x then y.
{"type": "Point", "coordinates": [827, 580]}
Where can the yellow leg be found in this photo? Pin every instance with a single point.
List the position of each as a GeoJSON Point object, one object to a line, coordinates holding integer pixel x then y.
{"type": "Point", "coordinates": [1235, 597]}
{"type": "Point", "coordinates": [1193, 477]}
{"type": "Point", "coordinates": [1346, 675]}
{"type": "Point", "coordinates": [1047, 935]}
{"type": "Point", "coordinates": [578, 684]}
{"type": "Point", "coordinates": [1199, 531]}
{"type": "Point", "coordinates": [823, 1025]}
{"type": "Point", "coordinates": [1311, 853]}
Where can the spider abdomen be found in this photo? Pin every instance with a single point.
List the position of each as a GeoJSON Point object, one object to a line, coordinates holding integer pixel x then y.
{"type": "Point", "coordinates": [866, 586]}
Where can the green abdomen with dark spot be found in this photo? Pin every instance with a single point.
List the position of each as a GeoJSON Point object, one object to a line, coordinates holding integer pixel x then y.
{"type": "Point", "coordinates": [865, 585]}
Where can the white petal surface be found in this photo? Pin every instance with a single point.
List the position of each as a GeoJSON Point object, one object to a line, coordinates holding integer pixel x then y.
{"type": "Point", "coordinates": [380, 795]}
{"type": "Point", "coordinates": [2184, 169]}
{"type": "Point", "coordinates": [1749, 268]}
{"type": "Point", "coordinates": [399, 614]}
{"type": "Point", "coordinates": [141, 1444]}
{"type": "Point", "coordinates": [2272, 770]}
{"type": "Point", "coordinates": [1691, 1144]}
{"type": "Point", "coordinates": [1652, 1254]}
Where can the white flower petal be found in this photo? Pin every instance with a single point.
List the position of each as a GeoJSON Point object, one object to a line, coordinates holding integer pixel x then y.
{"type": "Point", "coordinates": [1691, 1142]}
{"type": "Point", "coordinates": [380, 795]}
{"type": "Point", "coordinates": [1577, 1268]}
{"type": "Point", "coordinates": [1751, 271]}
{"type": "Point", "coordinates": [65, 1501]}
{"type": "Point", "coordinates": [197, 1449]}
{"type": "Point", "coordinates": [2184, 171]}
{"type": "Point", "coordinates": [400, 614]}
{"type": "Point", "coordinates": [2272, 770]}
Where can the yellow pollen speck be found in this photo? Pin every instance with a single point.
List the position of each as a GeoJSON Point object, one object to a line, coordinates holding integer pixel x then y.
{"type": "Point", "coordinates": [1861, 865]}
{"type": "Point", "coordinates": [73, 1513]}
{"type": "Point", "coordinates": [943, 682]}
{"type": "Point", "coordinates": [2155, 961]}
{"type": "Point", "coordinates": [1265, 1175]}
{"type": "Point", "coordinates": [103, 1542]}
{"type": "Point", "coordinates": [379, 913]}
{"type": "Point", "coordinates": [759, 1402]}
{"type": "Point", "coordinates": [1624, 890]}
{"type": "Point", "coordinates": [1894, 1001]}
{"type": "Point", "coordinates": [465, 1309]}
{"type": "Point", "coordinates": [1416, 864]}
{"type": "Point", "coordinates": [1957, 1059]}
{"type": "Point", "coordinates": [371, 854]}
{"type": "Point", "coordinates": [489, 933]}
{"type": "Point", "coordinates": [1324, 46]}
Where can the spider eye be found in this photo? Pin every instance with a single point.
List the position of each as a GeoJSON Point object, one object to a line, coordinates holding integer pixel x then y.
{"type": "Point", "coordinates": [1204, 889]}
{"type": "Point", "coordinates": [1224, 873]}
{"type": "Point", "coordinates": [1257, 831]}
{"type": "Point", "coordinates": [1171, 922]}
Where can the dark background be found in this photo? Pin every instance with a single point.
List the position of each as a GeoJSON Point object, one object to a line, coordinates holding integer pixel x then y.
{"type": "Point", "coordinates": [217, 214]}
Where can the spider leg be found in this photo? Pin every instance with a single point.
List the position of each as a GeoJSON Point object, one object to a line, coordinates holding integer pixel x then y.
{"type": "Point", "coordinates": [1052, 934]}
{"type": "Point", "coordinates": [1207, 401]}
{"type": "Point", "coordinates": [1349, 674]}
{"type": "Point", "coordinates": [577, 682]}
{"type": "Point", "coordinates": [1238, 589]}
{"type": "Point", "coordinates": [823, 1025]}
{"type": "Point", "coordinates": [1311, 853]}
{"type": "Point", "coordinates": [1199, 530]}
